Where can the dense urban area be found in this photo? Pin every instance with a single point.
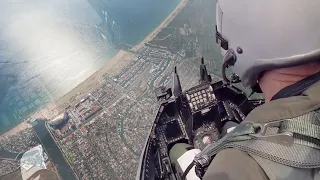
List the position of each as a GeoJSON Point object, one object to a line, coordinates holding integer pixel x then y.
{"type": "Point", "coordinates": [101, 132]}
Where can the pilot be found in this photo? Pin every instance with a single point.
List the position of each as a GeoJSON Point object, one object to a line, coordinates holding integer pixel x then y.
{"type": "Point", "coordinates": [272, 46]}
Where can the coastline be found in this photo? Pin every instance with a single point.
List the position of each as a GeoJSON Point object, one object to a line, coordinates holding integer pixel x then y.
{"type": "Point", "coordinates": [114, 65]}
{"type": "Point", "coordinates": [20, 127]}
{"type": "Point", "coordinates": [164, 23]}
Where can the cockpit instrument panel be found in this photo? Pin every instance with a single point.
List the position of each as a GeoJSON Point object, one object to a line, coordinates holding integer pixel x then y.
{"type": "Point", "coordinates": [200, 97]}
{"type": "Point", "coordinates": [172, 131]}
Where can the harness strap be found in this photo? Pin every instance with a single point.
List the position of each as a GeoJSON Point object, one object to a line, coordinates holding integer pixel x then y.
{"type": "Point", "coordinates": [288, 142]}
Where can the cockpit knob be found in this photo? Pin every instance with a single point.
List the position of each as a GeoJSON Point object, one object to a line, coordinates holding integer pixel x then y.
{"type": "Point", "coordinates": [188, 97]}
{"type": "Point", "coordinates": [210, 88]}
{"type": "Point", "coordinates": [213, 96]}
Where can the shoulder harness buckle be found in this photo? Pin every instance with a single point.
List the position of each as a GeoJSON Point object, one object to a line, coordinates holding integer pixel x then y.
{"type": "Point", "coordinates": [284, 138]}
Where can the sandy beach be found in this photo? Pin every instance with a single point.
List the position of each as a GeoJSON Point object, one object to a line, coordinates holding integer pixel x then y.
{"type": "Point", "coordinates": [114, 65]}
{"type": "Point", "coordinates": [164, 24]}
{"type": "Point", "coordinates": [15, 130]}
{"type": "Point", "coordinates": [118, 62]}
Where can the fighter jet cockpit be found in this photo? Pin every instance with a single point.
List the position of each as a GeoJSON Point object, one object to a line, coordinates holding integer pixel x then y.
{"type": "Point", "coordinates": [192, 118]}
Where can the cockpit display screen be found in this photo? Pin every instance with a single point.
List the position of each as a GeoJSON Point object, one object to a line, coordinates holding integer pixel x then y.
{"type": "Point", "coordinates": [172, 130]}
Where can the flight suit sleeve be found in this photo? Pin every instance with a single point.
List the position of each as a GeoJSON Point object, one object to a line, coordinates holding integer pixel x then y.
{"type": "Point", "coordinates": [233, 164]}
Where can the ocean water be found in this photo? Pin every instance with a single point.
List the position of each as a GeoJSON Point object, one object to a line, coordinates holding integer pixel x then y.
{"type": "Point", "coordinates": [49, 47]}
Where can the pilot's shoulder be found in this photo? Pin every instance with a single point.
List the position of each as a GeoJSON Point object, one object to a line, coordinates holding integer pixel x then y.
{"type": "Point", "coordinates": [233, 164]}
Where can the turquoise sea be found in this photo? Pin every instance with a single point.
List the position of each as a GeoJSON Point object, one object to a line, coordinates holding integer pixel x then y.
{"type": "Point", "coordinates": [49, 47]}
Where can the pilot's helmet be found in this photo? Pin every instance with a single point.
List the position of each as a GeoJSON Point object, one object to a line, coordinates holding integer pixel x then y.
{"type": "Point", "coordinates": [260, 35]}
